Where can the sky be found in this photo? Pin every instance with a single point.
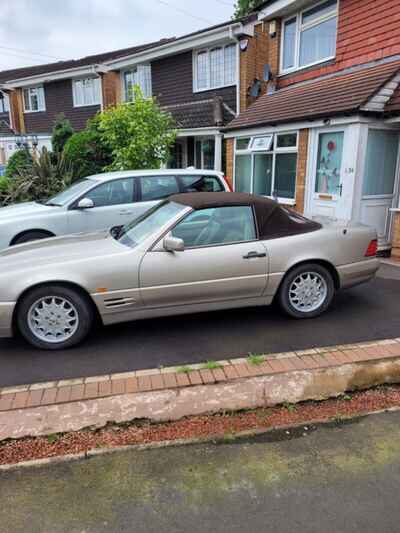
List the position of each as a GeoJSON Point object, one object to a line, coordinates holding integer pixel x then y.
{"type": "Point", "coordinates": [42, 31]}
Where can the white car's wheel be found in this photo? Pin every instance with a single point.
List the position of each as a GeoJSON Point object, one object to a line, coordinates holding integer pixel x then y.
{"type": "Point", "coordinates": [54, 317]}
{"type": "Point", "coordinates": [307, 291]}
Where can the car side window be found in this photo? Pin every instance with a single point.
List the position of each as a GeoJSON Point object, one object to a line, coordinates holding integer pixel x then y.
{"type": "Point", "coordinates": [158, 187]}
{"type": "Point", "coordinates": [217, 226]}
{"type": "Point", "coordinates": [201, 184]}
{"type": "Point", "coordinates": [115, 192]}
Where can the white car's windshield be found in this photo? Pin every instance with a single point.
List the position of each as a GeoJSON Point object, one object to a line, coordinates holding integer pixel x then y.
{"type": "Point", "coordinates": [64, 197]}
{"type": "Point", "coordinates": [143, 227]}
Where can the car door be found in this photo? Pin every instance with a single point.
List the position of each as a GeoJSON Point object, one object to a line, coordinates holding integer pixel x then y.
{"type": "Point", "coordinates": [153, 189]}
{"type": "Point", "coordinates": [222, 261]}
{"type": "Point", "coordinates": [113, 205]}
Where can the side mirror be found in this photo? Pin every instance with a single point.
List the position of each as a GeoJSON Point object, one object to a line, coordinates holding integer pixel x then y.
{"type": "Point", "coordinates": [85, 203]}
{"type": "Point", "coordinates": [172, 244]}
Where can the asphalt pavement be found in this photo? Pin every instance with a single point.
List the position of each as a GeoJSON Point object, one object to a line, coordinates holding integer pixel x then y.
{"type": "Point", "coordinates": [368, 312]}
{"type": "Point", "coordinates": [331, 479]}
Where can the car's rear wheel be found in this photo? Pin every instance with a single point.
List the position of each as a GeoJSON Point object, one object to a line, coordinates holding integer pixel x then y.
{"type": "Point", "coordinates": [30, 236]}
{"type": "Point", "coordinates": [54, 317]}
{"type": "Point", "coordinates": [307, 291]}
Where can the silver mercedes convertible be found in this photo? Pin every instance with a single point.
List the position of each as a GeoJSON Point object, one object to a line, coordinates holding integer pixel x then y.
{"type": "Point", "coordinates": [191, 253]}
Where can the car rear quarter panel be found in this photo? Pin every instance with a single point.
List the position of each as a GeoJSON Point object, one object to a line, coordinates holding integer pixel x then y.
{"type": "Point", "coordinates": [338, 246]}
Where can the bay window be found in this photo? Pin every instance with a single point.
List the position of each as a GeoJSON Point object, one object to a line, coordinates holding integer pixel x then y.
{"type": "Point", "coordinates": [214, 67]}
{"type": "Point", "coordinates": [34, 99]}
{"type": "Point", "coordinates": [267, 165]}
{"type": "Point", "coordinates": [86, 92]}
{"type": "Point", "coordinates": [309, 37]}
{"type": "Point", "coordinates": [139, 76]}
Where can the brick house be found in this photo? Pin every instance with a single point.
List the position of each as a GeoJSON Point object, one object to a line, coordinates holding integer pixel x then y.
{"type": "Point", "coordinates": [319, 115]}
{"type": "Point", "coordinates": [194, 77]}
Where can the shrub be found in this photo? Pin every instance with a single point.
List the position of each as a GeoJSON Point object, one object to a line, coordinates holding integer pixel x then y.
{"type": "Point", "coordinates": [62, 131]}
{"type": "Point", "coordinates": [44, 178]}
{"type": "Point", "coordinates": [138, 133]}
{"type": "Point", "coordinates": [20, 161]}
{"type": "Point", "coordinates": [3, 183]}
{"type": "Point", "coordinates": [86, 152]}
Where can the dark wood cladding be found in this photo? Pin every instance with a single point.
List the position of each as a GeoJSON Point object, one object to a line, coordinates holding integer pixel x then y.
{"type": "Point", "coordinates": [58, 96]}
{"type": "Point", "coordinates": [172, 79]}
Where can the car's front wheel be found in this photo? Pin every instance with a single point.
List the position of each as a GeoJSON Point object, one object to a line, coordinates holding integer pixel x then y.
{"type": "Point", "coordinates": [54, 317]}
{"type": "Point", "coordinates": [307, 291]}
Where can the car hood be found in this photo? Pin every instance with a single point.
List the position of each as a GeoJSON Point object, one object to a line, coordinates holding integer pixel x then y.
{"type": "Point", "coordinates": [26, 209]}
{"type": "Point", "coordinates": [56, 250]}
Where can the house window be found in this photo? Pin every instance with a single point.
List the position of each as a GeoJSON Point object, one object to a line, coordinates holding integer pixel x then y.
{"type": "Point", "coordinates": [310, 36]}
{"type": "Point", "coordinates": [205, 154]}
{"type": "Point", "coordinates": [4, 103]}
{"type": "Point", "coordinates": [215, 67]}
{"type": "Point", "coordinates": [267, 165]}
{"type": "Point", "coordinates": [140, 76]}
{"type": "Point", "coordinates": [86, 92]}
{"type": "Point", "coordinates": [34, 99]}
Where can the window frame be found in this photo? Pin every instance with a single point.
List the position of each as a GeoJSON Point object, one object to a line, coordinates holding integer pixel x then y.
{"type": "Point", "coordinates": [40, 100]}
{"type": "Point", "coordinates": [299, 29]}
{"type": "Point", "coordinates": [274, 151]}
{"type": "Point", "coordinates": [256, 232]}
{"type": "Point", "coordinates": [75, 93]}
{"type": "Point", "coordinates": [135, 70]}
{"type": "Point", "coordinates": [208, 51]}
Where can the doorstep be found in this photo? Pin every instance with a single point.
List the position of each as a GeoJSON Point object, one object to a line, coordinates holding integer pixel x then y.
{"type": "Point", "coordinates": [170, 394]}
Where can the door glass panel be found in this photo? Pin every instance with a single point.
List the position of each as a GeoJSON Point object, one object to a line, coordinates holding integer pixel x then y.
{"type": "Point", "coordinates": [114, 192]}
{"type": "Point", "coordinates": [329, 163]}
{"type": "Point", "coordinates": [381, 163]}
{"type": "Point", "coordinates": [221, 225]}
{"type": "Point", "coordinates": [243, 173]}
{"type": "Point", "coordinates": [158, 187]}
{"type": "Point", "coordinates": [285, 176]}
{"type": "Point", "coordinates": [263, 174]}
{"type": "Point", "coordinates": [208, 147]}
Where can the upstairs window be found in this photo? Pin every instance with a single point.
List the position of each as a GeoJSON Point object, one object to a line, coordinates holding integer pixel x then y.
{"type": "Point", "coordinates": [34, 100]}
{"type": "Point", "coordinates": [140, 76]}
{"type": "Point", "coordinates": [215, 67]}
{"type": "Point", "coordinates": [4, 103]}
{"type": "Point", "coordinates": [86, 92]}
{"type": "Point", "coordinates": [309, 37]}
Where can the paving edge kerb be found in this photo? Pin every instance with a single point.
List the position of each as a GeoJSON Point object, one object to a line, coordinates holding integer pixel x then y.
{"type": "Point", "coordinates": [168, 394]}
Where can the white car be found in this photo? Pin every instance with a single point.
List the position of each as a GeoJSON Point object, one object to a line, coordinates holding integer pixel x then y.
{"type": "Point", "coordinates": [101, 202]}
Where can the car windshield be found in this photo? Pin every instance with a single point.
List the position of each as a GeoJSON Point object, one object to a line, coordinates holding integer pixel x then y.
{"type": "Point", "coordinates": [64, 197]}
{"type": "Point", "coordinates": [143, 227]}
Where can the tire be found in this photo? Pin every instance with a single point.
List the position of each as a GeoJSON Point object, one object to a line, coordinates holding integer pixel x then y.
{"type": "Point", "coordinates": [31, 236]}
{"type": "Point", "coordinates": [307, 291]}
{"type": "Point", "coordinates": [74, 311]}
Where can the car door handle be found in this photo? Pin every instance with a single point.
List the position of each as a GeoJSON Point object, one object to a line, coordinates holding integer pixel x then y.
{"type": "Point", "coordinates": [126, 212]}
{"type": "Point", "coordinates": [254, 255]}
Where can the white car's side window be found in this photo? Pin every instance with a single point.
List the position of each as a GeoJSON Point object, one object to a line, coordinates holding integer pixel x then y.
{"type": "Point", "coordinates": [114, 192]}
{"type": "Point", "coordinates": [217, 226]}
{"type": "Point", "coordinates": [158, 187]}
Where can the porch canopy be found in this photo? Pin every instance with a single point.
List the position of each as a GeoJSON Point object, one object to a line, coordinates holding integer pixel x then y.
{"type": "Point", "coordinates": [359, 90]}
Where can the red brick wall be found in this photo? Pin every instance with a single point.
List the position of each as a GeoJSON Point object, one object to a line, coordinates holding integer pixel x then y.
{"type": "Point", "coordinates": [368, 30]}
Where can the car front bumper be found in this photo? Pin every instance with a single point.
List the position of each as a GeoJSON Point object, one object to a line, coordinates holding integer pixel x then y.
{"type": "Point", "coordinates": [6, 319]}
{"type": "Point", "coordinates": [357, 273]}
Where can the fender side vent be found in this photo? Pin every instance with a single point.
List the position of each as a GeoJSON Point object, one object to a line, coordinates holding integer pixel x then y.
{"type": "Point", "coordinates": [119, 302]}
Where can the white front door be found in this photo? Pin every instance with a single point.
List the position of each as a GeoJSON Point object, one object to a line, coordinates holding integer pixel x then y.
{"type": "Point", "coordinates": [379, 181]}
{"type": "Point", "coordinates": [331, 173]}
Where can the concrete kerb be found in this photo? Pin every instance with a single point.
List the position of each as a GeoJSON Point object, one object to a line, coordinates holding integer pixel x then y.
{"type": "Point", "coordinates": [294, 386]}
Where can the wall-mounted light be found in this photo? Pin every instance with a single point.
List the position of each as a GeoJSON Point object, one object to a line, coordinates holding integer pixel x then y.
{"type": "Point", "coordinates": [244, 43]}
{"type": "Point", "coordinates": [272, 28]}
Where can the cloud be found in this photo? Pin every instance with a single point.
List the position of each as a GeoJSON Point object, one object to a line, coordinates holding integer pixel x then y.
{"type": "Point", "coordinates": [63, 29]}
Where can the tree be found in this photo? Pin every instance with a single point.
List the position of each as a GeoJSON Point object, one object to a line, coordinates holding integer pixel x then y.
{"type": "Point", "coordinates": [138, 134]}
{"type": "Point", "coordinates": [244, 7]}
{"type": "Point", "coordinates": [18, 162]}
{"type": "Point", "coordinates": [86, 151]}
{"type": "Point", "coordinates": [62, 131]}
